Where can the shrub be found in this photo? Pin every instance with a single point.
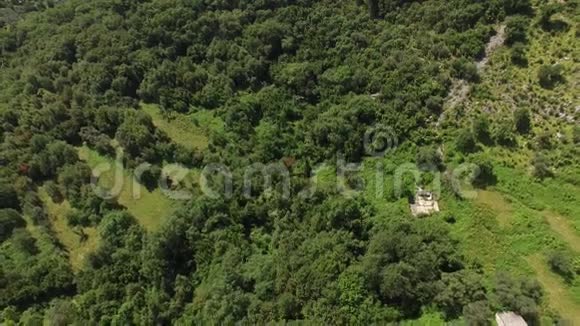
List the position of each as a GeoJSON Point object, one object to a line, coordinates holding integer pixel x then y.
{"type": "Point", "coordinates": [466, 70]}
{"type": "Point", "coordinates": [503, 133]}
{"type": "Point", "coordinates": [53, 191]}
{"type": "Point", "coordinates": [8, 197]}
{"type": "Point", "coordinates": [465, 142]}
{"type": "Point", "coordinates": [9, 220]}
{"type": "Point", "coordinates": [541, 170]}
{"type": "Point", "coordinates": [429, 157]}
{"type": "Point", "coordinates": [544, 140]}
{"type": "Point", "coordinates": [477, 313]}
{"type": "Point", "coordinates": [522, 296]}
{"type": "Point", "coordinates": [561, 263]}
{"type": "Point", "coordinates": [518, 54]}
{"type": "Point", "coordinates": [480, 129]}
{"type": "Point", "coordinates": [24, 242]}
{"type": "Point", "coordinates": [516, 29]}
{"type": "Point", "coordinates": [550, 75]}
{"type": "Point", "coordinates": [486, 175]}
{"type": "Point", "coordinates": [517, 6]}
{"type": "Point", "coordinates": [150, 177]}
{"type": "Point", "coordinates": [523, 120]}
{"type": "Point", "coordinates": [576, 135]}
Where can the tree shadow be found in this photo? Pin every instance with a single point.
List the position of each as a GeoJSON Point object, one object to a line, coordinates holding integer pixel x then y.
{"type": "Point", "coordinates": [556, 26]}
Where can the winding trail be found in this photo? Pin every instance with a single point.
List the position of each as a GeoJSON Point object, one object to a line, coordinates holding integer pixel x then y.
{"type": "Point", "coordinates": [460, 88]}
{"type": "Point", "coordinates": [494, 42]}
{"type": "Point", "coordinates": [558, 295]}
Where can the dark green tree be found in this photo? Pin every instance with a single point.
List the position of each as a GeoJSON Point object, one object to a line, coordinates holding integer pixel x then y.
{"type": "Point", "coordinates": [373, 6]}
{"type": "Point", "coordinates": [9, 220]}
{"type": "Point", "coordinates": [480, 129]}
{"type": "Point", "coordinates": [523, 120]}
{"type": "Point", "coordinates": [561, 263]}
{"type": "Point", "coordinates": [465, 141]}
{"type": "Point", "coordinates": [517, 29]}
{"type": "Point", "coordinates": [518, 54]}
{"type": "Point", "coordinates": [8, 196]}
{"type": "Point", "coordinates": [541, 169]}
{"type": "Point", "coordinates": [429, 157]}
{"type": "Point", "coordinates": [503, 133]}
{"type": "Point", "coordinates": [550, 75]}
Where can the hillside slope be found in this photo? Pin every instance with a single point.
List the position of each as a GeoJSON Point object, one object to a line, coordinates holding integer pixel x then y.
{"type": "Point", "coordinates": [218, 162]}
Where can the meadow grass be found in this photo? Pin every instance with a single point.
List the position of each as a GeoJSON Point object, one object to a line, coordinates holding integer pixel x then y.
{"type": "Point", "coordinates": [191, 131]}
{"type": "Point", "coordinates": [502, 226]}
{"type": "Point", "coordinates": [150, 208]}
{"type": "Point", "coordinates": [556, 291]}
{"type": "Point", "coordinates": [67, 236]}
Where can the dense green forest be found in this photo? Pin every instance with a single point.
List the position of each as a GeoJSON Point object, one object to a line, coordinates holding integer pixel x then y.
{"type": "Point", "coordinates": [304, 88]}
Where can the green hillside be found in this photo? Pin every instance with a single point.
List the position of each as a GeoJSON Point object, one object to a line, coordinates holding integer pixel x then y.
{"type": "Point", "coordinates": [178, 162]}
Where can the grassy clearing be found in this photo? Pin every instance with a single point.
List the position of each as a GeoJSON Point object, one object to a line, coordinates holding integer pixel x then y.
{"type": "Point", "coordinates": [553, 195]}
{"type": "Point", "coordinates": [557, 292]}
{"type": "Point", "coordinates": [496, 202]}
{"type": "Point", "coordinates": [150, 208]}
{"type": "Point", "coordinates": [528, 235]}
{"type": "Point", "coordinates": [502, 226]}
{"type": "Point", "coordinates": [67, 236]}
{"type": "Point", "coordinates": [191, 131]}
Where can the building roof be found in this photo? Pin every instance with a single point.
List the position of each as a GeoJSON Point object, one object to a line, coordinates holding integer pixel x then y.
{"type": "Point", "coordinates": [509, 319]}
{"type": "Point", "coordinates": [425, 203]}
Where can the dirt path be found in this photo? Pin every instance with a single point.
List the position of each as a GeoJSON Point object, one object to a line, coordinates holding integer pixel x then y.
{"type": "Point", "coordinates": [557, 293]}
{"type": "Point", "coordinates": [561, 226]}
{"type": "Point", "coordinates": [460, 89]}
{"type": "Point", "coordinates": [496, 202]}
{"type": "Point", "coordinates": [504, 214]}
{"type": "Point", "coordinates": [494, 42]}
{"type": "Point", "coordinates": [77, 249]}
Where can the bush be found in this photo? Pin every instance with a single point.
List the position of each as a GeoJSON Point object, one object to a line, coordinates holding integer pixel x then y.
{"type": "Point", "coordinates": [561, 263]}
{"type": "Point", "coordinates": [576, 135]}
{"type": "Point", "coordinates": [544, 140]}
{"type": "Point", "coordinates": [516, 29]}
{"type": "Point", "coordinates": [547, 12]}
{"type": "Point", "coordinates": [518, 54]}
{"type": "Point", "coordinates": [466, 70]}
{"type": "Point", "coordinates": [8, 197]}
{"type": "Point", "coordinates": [78, 218]}
{"type": "Point", "coordinates": [486, 175]}
{"type": "Point", "coordinates": [521, 296]}
{"type": "Point", "coordinates": [9, 220]}
{"type": "Point", "coordinates": [53, 191]}
{"type": "Point", "coordinates": [517, 6]}
{"type": "Point", "coordinates": [429, 157]}
{"type": "Point", "coordinates": [523, 120]}
{"type": "Point", "coordinates": [550, 75]}
{"type": "Point", "coordinates": [541, 169]}
{"type": "Point", "coordinates": [24, 242]}
{"type": "Point", "coordinates": [465, 142]}
{"type": "Point", "coordinates": [150, 177]}
{"type": "Point", "coordinates": [103, 146]}
{"type": "Point", "coordinates": [480, 129]}
{"type": "Point", "coordinates": [503, 133]}
{"type": "Point", "coordinates": [477, 313]}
